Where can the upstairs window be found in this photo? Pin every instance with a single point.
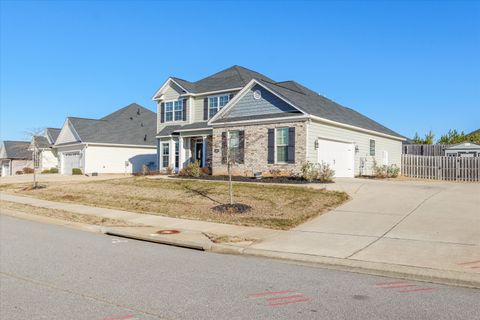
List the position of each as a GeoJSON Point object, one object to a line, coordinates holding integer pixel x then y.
{"type": "Point", "coordinates": [174, 110]}
{"type": "Point", "coordinates": [216, 103]}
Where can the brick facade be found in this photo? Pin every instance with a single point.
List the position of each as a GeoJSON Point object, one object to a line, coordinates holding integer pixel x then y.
{"type": "Point", "coordinates": [256, 150]}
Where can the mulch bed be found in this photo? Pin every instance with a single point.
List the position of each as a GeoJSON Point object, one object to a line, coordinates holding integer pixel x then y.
{"type": "Point", "coordinates": [232, 208]}
{"type": "Point", "coordinates": [288, 180]}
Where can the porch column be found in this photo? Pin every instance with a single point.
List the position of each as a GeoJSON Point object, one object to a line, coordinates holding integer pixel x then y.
{"type": "Point", "coordinates": [171, 155]}
{"type": "Point", "coordinates": [204, 151]}
{"type": "Point", "coordinates": [181, 155]}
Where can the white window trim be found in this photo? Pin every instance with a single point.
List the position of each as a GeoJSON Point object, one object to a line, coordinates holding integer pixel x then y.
{"type": "Point", "coordinates": [374, 148]}
{"type": "Point", "coordinates": [173, 110]}
{"type": "Point", "coordinates": [163, 155]}
{"type": "Point", "coordinates": [218, 103]}
{"type": "Point", "coordinates": [275, 151]}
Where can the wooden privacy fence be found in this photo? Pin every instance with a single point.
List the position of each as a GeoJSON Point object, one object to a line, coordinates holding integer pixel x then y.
{"type": "Point", "coordinates": [441, 168]}
{"type": "Point", "coordinates": [425, 149]}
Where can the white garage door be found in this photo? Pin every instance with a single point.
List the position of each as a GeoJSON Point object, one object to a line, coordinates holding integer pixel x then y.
{"type": "Point", "coordinates": [70, 160]}
{"type": "Point", "coordinates": [339, 155]}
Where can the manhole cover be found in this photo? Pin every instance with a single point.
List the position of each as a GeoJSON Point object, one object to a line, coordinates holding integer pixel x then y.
{"type": "Point", "coordinates": [168, 232]}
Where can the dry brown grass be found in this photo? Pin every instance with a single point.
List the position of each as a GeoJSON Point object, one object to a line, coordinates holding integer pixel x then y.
{"type": "Point", "coordinates": [66, 215]}
{"type": "Point", "coordinates": [273, 206]}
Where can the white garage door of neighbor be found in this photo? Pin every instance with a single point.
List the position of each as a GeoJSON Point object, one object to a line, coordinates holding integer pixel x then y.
{"type": "Point", "coordinates": [70, 160]}
{"type": "Point", "coordinates": [339, 155]}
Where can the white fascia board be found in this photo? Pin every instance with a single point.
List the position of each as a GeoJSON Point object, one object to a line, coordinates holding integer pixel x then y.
{"type": "Point", "coordinates": [211, 92]}
{"type": "Point", "coordinates": [241, 94]}
{"type": "Point", "coordinates": [198, 129]}
{"type": "Point", "coordinates": [266, 120]}
{"type": "Point", "coordinates": [163, 87]}
{"type": "Point", "coordinates": [121, 145]}
{"type": "Point", "coordinates": [348, 126]}
{"type": "Point", "coordinates": [68, 125]}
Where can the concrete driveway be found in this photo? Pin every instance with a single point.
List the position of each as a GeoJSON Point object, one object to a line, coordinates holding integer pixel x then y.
{"type": "Point", "coordinates": [414, 223]}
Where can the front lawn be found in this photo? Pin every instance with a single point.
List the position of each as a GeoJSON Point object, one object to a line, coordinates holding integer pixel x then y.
{"type": "Point", "coordinates": [273, 206]}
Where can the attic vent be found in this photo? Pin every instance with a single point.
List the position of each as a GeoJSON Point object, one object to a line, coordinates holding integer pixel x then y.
{"type": "Point", "coordinates": [257, 94]}
{"type": "Point", "coordinates": [131, 118]}
{"type": "Point", "coordinates": [138, 111]}
{"type": "Point", "coordinates": [145, 138]}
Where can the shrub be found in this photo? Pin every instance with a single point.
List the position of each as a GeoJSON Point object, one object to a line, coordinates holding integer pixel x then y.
{"type": "Point", "coordinates": [205, 170]}
{"type": "Point", "coordinates": [325, 173]}
{"type": "Point", "coordinates": [19, 172]}
{"type": "Point", "coordinates": [169, 170]}
{"type": "Point", "coordinates": [385, 171]}
{"type": "Point", "coordinates": [191, 170]}
{"type": "Point", "coordinates": [309, 172]}
{"type": "Point", "coordinates": [51, 170]}
{"type": "Point", "coordinates": [321, 172]}
{"type": "Point", "coordinates": [27, 170]}
{"type": "Point", "coordinates": [76, 171]}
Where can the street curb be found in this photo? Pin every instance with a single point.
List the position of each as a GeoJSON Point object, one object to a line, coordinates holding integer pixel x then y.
{"type": "Point", "coordinates": [59, 222]}
{"type": "Point", "coordinates": [161, 240]}
{"type": "Point", "coordinates": [445, 277]}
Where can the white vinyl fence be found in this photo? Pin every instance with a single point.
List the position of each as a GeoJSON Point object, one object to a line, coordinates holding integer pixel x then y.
{"type": "Point", "coordinates": [441, 168]}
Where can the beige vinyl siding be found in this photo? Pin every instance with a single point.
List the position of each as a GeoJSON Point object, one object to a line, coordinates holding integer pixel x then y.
{"type": "Point", "coordinates": [360, 139]}
{"type": "Point", "coordinates": [198, 109]}
{"type": "Point", "coordinates": [172, 92]}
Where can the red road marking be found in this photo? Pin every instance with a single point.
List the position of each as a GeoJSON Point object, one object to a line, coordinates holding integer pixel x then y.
{"type": "Point", "coordinates": [268, 293]}
{"type": "Point", "coordinates": [385, 283]}
{"type": "Point", "coordinates": [287, 302]}
{"type": "Point", "coordinates": [287, 297]}
{"type": "Point", "coordinates": [472, 262]}
{"type": "Point", "coordinates": [419, 289]}
{"type": "Point", "coordinates": [402, 286]}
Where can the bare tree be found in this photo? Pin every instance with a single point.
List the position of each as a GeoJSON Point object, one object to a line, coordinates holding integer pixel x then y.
{"type": "Point", "coordinates": [31, 134]}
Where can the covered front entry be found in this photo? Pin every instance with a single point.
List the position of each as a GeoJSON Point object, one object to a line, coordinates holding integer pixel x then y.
{"type": "Point", "coordinates": [339, 155]}
{"type": "Point", "coordinates": [178, 151]}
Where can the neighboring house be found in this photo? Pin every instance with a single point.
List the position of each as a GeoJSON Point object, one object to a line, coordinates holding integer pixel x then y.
{"type": "Point", "coordinates": [272, 126]}
{"type": "Point", "coordinates": [47, 156]}
{"type": "Point", "coordinates": [14, 156]}
{"type": "Point", "coordinates": [121, 142]}
{"type": "Point", "coordinates": [465, 149]}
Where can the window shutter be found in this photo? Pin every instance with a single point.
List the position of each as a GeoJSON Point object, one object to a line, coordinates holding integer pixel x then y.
{"type": "Point", "coordinates": [185, 101]}
{"type": "Point", "coordinates": [271, 146]}
{"type": "Point", "coordinates": [241, 147]}
{"type": "Point", "coordinates": [205, 109]}
{"type": "Point", "coordinates": [162, 112]}
{"type": "Point", "coordinates": [224, 147]}
{"type": "Point", "coordinates": [230, 97]}
{"type": "Point", "coordinates": [291, 145]}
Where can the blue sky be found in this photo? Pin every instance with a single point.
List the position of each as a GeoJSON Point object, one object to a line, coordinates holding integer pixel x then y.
{"type": "Point", "coordinates": [412, 66]}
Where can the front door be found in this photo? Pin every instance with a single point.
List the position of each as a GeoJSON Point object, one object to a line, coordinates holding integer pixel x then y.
{"type": "Point", "coordinates": [199, 152]}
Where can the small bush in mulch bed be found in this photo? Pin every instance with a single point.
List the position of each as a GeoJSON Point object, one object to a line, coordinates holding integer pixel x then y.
{"type": "Point", "coordinates": [232, 208]}
{"type": "Point", "coordinates": [290, 180]}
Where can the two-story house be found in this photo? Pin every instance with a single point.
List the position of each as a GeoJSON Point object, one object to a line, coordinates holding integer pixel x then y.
{"type": "Point", "coordinates": [270, 125]}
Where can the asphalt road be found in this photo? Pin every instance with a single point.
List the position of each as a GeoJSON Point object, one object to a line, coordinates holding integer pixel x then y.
{"type": "Point", "coordinates": [53, 272]}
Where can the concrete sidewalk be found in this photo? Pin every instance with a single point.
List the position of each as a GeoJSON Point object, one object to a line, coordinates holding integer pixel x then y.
{"type": "Point", "coordinates": [415, 229]}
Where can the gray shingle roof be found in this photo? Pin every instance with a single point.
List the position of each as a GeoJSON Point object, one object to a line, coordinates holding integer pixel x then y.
{"type": "Point", "coordinates": [233, 77]}
{"type": "Point", "coordinates": [131, 125]}
{"type": "Point", "coordinates": [314, 104]}
{"type": "Point", "coordinates": [169, 130]}
{"type": "Point", "coordinates": [305, 99]}
{"type": "Point", "coordinates": [41, 142]}
{"type": "Point", "coordinates": [53, 133]}
{"type": "Point", "coordinates": [15, 150]}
